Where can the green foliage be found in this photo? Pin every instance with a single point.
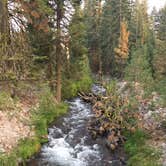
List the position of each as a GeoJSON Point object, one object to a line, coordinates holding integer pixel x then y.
{"type": "Point", "coordinates": [162, 24]}
{"type": "Point", "coordinates": [76, 76]}
{"type": "Point", "coordinates": [139, 153]}
{"type": "Point", "coordinates": [8, 160]}
{"type": "Point", "coordinates": [134, 141]}
{"type": "Point", "coordinates": [72, 87]}
{"type": "Point", "coordinates": [110, 30]}
{"type": "Point", "coordinates": [15, 57]}
{"type": "Point", "coordinates": [161, 89]}
{"type": "Point", "coordinates": [92, 21]}
{"type": "Point", "coordinates": [46, 113]}
{"type": "Point", "coordinates": [27, 147]}
{"type": "Point", "coordinates": [111, 88]}
{"type": "Point", "coordinates": [44, 7]}
{"type": "Point", "coordinates": [139, 69]}
{"type": "Point", "coordinates": [159, 60]}
{"type": "Point", "coordinates": [80, 81]}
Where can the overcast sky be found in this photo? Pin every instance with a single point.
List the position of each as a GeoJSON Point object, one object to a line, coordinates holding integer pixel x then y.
{"type": "Point", "coordinates": [157, 3]}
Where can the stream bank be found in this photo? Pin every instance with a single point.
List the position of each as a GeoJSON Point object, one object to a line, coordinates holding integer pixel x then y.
{"type": "Point", "coordinates": [70, 143]}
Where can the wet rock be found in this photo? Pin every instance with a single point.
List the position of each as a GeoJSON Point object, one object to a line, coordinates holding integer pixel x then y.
{"type": "Point", "coordinates": [2, 150]}
{"type": "Point", "coordinates": [164, 163]}
{"type": "Point", "coordinates": [98, 89]}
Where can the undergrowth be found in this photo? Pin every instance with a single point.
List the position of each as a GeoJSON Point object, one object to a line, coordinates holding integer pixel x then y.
{"type": "Point", "coordinates": [161, 89]}
{"type": "Point", "coordinates": [72, 87]}
{"type": "Point", "coordinates": [139, 153]}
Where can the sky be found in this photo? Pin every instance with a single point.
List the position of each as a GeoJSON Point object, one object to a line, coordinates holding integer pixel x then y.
{"type": "Point", "coordinates": [157, 3]}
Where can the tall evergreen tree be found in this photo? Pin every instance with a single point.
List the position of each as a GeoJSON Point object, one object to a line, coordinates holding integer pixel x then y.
{"type": "Point", "coordinates": [78, 62]}
{"type": "Point", "coordinates": [140, 67]}
{"type": "Point", "coordinates": [162, 24]}
{"type": "Point", "coordinates": [92, 11]}
{"type": "Point", "coordinates": [159, 61]}
{"type": "Point", "coordinates": [60, 22]}
{"type": "Point", "coordinates": [114, 12]}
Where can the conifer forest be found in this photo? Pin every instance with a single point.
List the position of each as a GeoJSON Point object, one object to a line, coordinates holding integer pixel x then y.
{"type": "Point", "coordinates": [82, 83]}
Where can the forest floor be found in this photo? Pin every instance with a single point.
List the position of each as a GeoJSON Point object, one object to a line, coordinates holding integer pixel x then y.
{"type": "Point", "coordinates": [15, 123]}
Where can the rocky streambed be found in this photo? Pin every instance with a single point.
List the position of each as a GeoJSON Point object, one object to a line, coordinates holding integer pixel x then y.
{"type": "Point", "coordinates": [70, 143]}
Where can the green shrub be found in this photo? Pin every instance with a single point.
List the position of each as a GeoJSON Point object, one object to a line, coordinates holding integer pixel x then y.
{"type": "Point", "coordinates": [46, 113]}
{"type": "Point", "coordinates": [139, 68]}
{"type": "Point", "coordinates": [134, 141]}
{"type": "Point", "coordinates": [72, 86]}
{"type": "Point", "coordinates": [161, 89]}
{"type": "Point", "coordinates": [139, 153]}
{"type": "Point", "coordinates": [8, 160]}
{"type": "Point", "coordinates": [27, 147]}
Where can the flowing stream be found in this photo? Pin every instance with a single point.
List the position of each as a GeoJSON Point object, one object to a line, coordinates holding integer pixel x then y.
{"type": "Point", "coordinates": [70, 143]}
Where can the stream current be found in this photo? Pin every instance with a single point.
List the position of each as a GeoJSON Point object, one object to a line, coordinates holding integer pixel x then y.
{"type": "Point", "coordinates": [70, 143]}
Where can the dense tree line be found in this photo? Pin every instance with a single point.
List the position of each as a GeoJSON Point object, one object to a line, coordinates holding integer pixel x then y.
{"type": "Point", "coordinates": [56, 40]}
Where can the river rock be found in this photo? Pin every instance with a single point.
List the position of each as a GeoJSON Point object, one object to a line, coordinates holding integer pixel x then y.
{"type": "Point", "coordinates": [2, 150]}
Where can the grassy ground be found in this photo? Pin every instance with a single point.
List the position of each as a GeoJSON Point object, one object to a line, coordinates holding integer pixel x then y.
{"type": "Point", "coordinates": [139, 153]}
{"type": "Point", "coordinates": [42, 116]}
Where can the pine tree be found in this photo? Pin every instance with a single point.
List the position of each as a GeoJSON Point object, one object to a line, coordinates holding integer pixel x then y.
{"type": "Point", "coordinates": [76, 76]}
{"type": "Point", "coordinates": [123, 50]}
{"type": "Point", "coordinates": [4, 19]}
{"type": "Point", "coordinates": [114, 12]}
{"type": "Point", "coordinates": [92, 11]}
{"type": "Point", "coordinates": [140, 67]}
{"type": "Point", "coordinates": [60, 22]}
{"type": "Point", "coordinates": [162, 24]}
{"type": "Point", "coordinates": [139, 23]}
{"type": "Point", "coordinates": [160, 53]}
{"type": "Point", "coordinates": [159, 61]}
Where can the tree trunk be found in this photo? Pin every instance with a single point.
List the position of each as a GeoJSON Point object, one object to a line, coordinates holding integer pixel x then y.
{"type": "Point", "coordinates": [4, 18]}
{"type": "Point", "coordinates": [59, 80]}
{"type": "Point", "coordinates": [50, 74]}
{"type": "Point", "coordinates": [59, 52]}
{"type": "Point", "coordinates": [99, 51]}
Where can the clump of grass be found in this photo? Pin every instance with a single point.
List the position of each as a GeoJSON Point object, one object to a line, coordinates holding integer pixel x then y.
{"type": "Point", "coordinates": [27, 147]}
{"type": "Point", "coordinates": [8, 160]}
{"type": "Point", "coordinates": [47, 112]}
{"type": "Point", "coordinates": [139, 153]}
{"type": "Point", "coordinates": [6, 102]}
